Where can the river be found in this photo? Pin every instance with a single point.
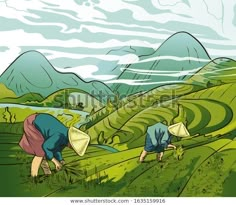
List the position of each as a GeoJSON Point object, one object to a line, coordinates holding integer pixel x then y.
{"type": "Point", "coordinates": [48, 109]}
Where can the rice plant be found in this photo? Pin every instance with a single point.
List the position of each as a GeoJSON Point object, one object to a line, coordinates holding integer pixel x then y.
{"type": "Point", "coordinates": [178, 153]}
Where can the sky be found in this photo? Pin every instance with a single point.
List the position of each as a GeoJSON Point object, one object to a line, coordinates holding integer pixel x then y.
{"type": "Point", "coordinates": [78, 34]}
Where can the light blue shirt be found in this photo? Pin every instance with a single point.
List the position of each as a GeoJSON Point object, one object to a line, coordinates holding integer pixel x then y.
{"type": "Point", "coordinates": [159, 135]}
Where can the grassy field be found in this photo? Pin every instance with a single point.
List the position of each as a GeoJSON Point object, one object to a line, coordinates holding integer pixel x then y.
{"type": "Point", "coordinates": [114, 124]}
{"type": "Point", "coordinates": [209, 111]}
{"type": "Point", "coordinates": [217, 72]}
{"type": "Point", "coordinates": [102, 173]}
{"type": "Point", "coordinates": [205, 170]}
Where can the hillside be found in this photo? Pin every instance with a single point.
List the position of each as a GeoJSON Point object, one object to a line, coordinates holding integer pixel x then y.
{"type": "Point", "coordinates": [32, 72]}
{"type": "Point", "coordinates": [217, 72]}
{"type": "Point", "coordinates": [207, 168]}
{"type": "Point", "coordinates": [120, 123]}
{"type": "Point", "coordinates": [210, 111]}
{"type": "Point", "coordinates": [5, 92]}
{"type": "Point", "coordinates": [29, 98]}
{"type": "Point", "coordinates": [205, 101]}
{"type": "Point", "coordinates": [177, 59]}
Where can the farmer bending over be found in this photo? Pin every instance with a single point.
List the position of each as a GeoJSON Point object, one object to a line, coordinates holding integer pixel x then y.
{"type": "Point", "coordinates": [45, 137]}
{"type": "Point", "coordinates": [158, 138]}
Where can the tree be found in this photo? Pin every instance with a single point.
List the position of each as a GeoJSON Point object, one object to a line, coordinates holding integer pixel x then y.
{"type": "Point", "coordinates": [7, 115]}
{"type": "Point", "coordinates": [101, 138]}
{"type": "Point", "coordinates": [109, 106]}
{"type": "Point", "coordinates": [116, 102]}
{"type": "Point", "coordinates": [116, 139]}
{"type": "Point", "coordinates": [92, 112]}
{"type": "Point", "coordinates": [13, 118]}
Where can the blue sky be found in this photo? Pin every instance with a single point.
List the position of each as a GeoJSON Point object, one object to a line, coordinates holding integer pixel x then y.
{"type": "Point", "coordinates": [78, 33]}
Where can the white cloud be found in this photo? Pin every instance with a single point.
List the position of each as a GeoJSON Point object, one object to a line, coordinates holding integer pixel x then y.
{"type": "Point", "coordinates": [173, 74]}
{"type": "Point", "coordinates": [138, 82]}
{"type": "Point", "coordinates": [83, 12]}
{"type": "Point", "coordinates": [128, 59]}
{"type": "Point", "coordinates": [8, 38]}
{"type": "Point", "coordinates": [175, 58]}
{"type": "Point", "coordinates": [222, 53]}
{"type": "Point", "coordinates": [161, 72]}
{"type": "Point", "coordinates": [59, 54]}
{"type": "Point", "coordinates": [8, 57]}
{"type": "Point", "coordinates": [139, 13]}
{"type": "Point", "coordinates": [215, 14]}
{"type": "Point", "coordinates": [87, 72]}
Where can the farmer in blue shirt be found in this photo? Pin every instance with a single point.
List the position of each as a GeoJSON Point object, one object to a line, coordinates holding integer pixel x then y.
{"type": "Point", "coordinates": [45, 137]}
{"type": "Point", "coordinates": [158, 138]}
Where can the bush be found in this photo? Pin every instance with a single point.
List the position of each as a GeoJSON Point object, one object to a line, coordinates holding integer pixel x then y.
{"type": "Point", "coordinates": [8, 116]}
{"type": "Point", "coordinates": [101, 138]}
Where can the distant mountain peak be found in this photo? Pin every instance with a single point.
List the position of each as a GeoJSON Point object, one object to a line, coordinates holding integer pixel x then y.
{"type": "Point", "coordinates": [32, 72]}
{"type": "Point", "coordinates": [32, 53]}
{"type": "Point", "coordinates": [183, 44]}
{"type": "Point", "coordinates": [32, 67]}
{"type": "Point", "coordinates": [31, 57]}
{"type": "Point", "coordinates": [174, 61]}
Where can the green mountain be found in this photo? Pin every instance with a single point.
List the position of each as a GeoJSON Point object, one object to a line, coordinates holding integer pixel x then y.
{"type": "Point", "coordinates": [32, 72]}
{"type": "Point", "coordinates": [195, 102]}
{"type": "Point", "coordinates": [127, 52]}
{"type": "Point", "coordinates": [206, 167]}
{"type": "Point", "coordinates": [176, 60]}
{"type": "Point", "coordinates": [217, 72]}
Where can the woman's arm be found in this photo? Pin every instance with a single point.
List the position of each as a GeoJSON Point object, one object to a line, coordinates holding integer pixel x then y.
{"type": "Point", "coordinates": [59, 158]}
{"type": "Point", "coordinates": [49, 145]}
{"type": "Point", "coordinates": [171, 146]}
{"type": "Point", "coordinates": [57, 164]}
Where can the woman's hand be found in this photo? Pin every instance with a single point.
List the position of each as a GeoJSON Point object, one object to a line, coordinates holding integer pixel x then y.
{"type": "Point", "coordinates": [171, 146]}
{"type": "Point", "coordinates": [62, 162]}
{"type": "Point", "coordinates": [57, 164]}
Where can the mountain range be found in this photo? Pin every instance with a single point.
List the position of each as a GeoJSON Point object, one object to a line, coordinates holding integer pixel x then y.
{"type": "Point", "coordinates": [176, 60]}
{"type": "Point", "coordinates": [32, 72]}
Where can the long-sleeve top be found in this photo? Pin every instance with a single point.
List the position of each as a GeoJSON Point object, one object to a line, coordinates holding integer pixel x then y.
{"type": "Point", "coordinates": [159, 135]}
{"type": "Point", "coordinates": [55, 135]}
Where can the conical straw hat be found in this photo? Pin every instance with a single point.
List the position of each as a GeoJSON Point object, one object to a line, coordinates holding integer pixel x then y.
{"type": "Point", "coordinates": [179, 130]}
{"type": "Point", "coordinates": [78, 140]}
